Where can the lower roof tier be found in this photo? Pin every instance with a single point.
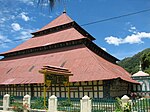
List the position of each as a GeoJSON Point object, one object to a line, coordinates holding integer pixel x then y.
{"type": "Point", "coordinates": [84, 64]}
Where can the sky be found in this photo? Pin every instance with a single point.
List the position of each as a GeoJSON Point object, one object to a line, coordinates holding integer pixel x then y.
{"type": "Point", "coordinates": [122, 37]}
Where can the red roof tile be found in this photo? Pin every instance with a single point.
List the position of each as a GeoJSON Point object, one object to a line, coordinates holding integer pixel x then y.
{"type": "Point", "coordinates": [82, 62]}
{"type": "Point", "coordinates": [60, 20]}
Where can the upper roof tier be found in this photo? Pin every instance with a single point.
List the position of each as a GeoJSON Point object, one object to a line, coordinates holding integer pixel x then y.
{"type": "Point", "coordinates": [61, 29]}
{"type": "Point", "coordinates": [60, 20]}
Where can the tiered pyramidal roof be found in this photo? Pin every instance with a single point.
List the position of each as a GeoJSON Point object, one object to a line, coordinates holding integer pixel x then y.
{"type": "Point", "coordinates": [61, 43]}
{"type": "Point", "coordinates": [62, 29]}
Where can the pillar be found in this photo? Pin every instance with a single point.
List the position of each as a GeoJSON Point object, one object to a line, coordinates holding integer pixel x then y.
{"type": "Point", "coordinates": [6, 102]}
{"type": "Point", "coordinates": [125, 100]}
{"type": "Point", "coordinates": [27, 102]}
{"type": "Point", "coordinates": [85, 104]}
{"type": "Point", "coordinates": [52, 104]}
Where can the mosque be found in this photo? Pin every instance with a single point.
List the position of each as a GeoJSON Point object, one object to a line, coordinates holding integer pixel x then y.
{"type": "Point", "coordinates": [63, 45]}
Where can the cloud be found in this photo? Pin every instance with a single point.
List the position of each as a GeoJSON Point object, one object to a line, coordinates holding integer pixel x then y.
{"type": "Point", "coordinates": [57, 13]}
{"type": "Point", "coordinates": [25, 34]}
{"type": "Point", "coordinates": [28, 2]}
{"type": "Point", "coordinates": [113, 40]}
{"type": "Point", "coordinates": [24, 16]}
{"type": "Point", "coordinates": [104, 48]}
{"type": "Point", "coordinates": [131, 39]}
{"type": "Point", "coordinates": [15, 26]}
{"type": "Point", "coordinates": [2, 20]}
{"type": "Point", "coordinates": [132, 29]}
{"type": "Point", "coordinates": [50, 16]}
{"type": "Point", "coordinates": [3, 41]}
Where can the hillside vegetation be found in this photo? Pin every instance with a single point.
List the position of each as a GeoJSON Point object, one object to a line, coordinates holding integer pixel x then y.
{"type": "Point", "coordinates": [131, 64]}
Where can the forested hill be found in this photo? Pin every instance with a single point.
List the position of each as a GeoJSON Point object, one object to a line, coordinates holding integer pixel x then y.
{"type": "Point", "coordinates": [131, 64]}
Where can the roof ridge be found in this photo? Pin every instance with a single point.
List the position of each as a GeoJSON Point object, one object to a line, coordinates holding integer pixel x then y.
{"type": "Point", "coordinates": [95, 59]}
{"type": "Point", "coordinates": [125, 76]}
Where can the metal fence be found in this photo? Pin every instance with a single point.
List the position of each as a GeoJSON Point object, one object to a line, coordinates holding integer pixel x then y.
{"type": "Point", "coordinates": [1, 100]}
{"type": "Point", "coordinates": [141, 105]}
{"type": "Point", "coordinates": [68, 105]}
{"type": "Point", "coordinates": [74, 105]}
{"type": "Point", "coordinates": [103, 105]}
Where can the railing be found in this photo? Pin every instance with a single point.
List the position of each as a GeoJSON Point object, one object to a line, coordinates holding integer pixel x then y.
{"type": "Point", "coordinates": [141, 105]}
{"type": "Point", "coordinates": [68, 105]}
{"type": "Point", "coordinates": [103, 105]}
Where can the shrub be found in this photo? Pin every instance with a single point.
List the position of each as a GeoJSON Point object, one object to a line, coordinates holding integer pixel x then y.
{"type": "Point", "coordinates": [39, 103]}
{"type": "Point", "coordinates": [18, 107]}
{"type": "Point", "coordinates": [66, 103]}
{"type": "Point", "coordinates": [121, 108]}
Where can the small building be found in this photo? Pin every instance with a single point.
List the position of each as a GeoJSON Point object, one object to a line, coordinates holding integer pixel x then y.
{"type": "Point", "coordinates": [63, 43]}
{"type": "Point", "coordinates": [144, 79]}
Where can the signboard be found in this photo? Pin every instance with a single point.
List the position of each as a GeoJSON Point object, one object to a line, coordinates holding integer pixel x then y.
{"type": "Point", "coordinates": [55, 79]}
{"type": "Point", "coordinates": [53, 75]}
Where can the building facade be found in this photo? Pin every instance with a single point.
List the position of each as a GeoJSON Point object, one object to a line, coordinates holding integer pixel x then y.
{"type": "Point", "coordinates": [94, 89]}
{"type": "Point", "coordinates": [143, 89]}
{"type": "Point", "coordinates": [63, 43]}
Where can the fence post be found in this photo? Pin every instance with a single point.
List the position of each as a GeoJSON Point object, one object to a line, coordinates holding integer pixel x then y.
{"type": "Point", "coordinates": [85, 104]}
{"type": "Point", "coordinates": [52, 104]}
{"type": "Point", "coordinates": [26, 102]}
{"type": "Point", "coordinates": [6, 102]}
{"type": "Point", "coordinates": [125, 100]}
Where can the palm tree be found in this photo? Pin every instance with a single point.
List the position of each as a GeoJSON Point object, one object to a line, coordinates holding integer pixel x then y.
{"type": "Point", "coordinates": [51, 2]}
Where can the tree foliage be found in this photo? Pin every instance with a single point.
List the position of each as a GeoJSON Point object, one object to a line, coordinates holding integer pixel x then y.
{"type": "Point", "coordinates": [131, 64]}
{"type": "Point", "coordinates": [50, 2]}
{"type": "Point", "coordinates": [145, 60]}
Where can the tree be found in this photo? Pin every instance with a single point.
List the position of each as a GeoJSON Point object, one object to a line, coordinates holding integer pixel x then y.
{"type": "Point", "coordinates": [50, 2]}
{"type": "Point", "coordinates": [131, 64]}
{"type": "Point", "coordinates": [145, 58]}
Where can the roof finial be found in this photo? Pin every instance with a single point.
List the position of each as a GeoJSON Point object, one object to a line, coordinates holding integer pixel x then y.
{"type": "Point", "coordinates": [64, 10]}
{"type": "Point", "coordinates": [64, 3]}
{"type": "Point", "coordinates": [140, 66]}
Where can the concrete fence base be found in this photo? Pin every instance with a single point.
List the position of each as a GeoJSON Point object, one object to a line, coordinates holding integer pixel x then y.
{"type": "Point", "coordinates": [85, 103]}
